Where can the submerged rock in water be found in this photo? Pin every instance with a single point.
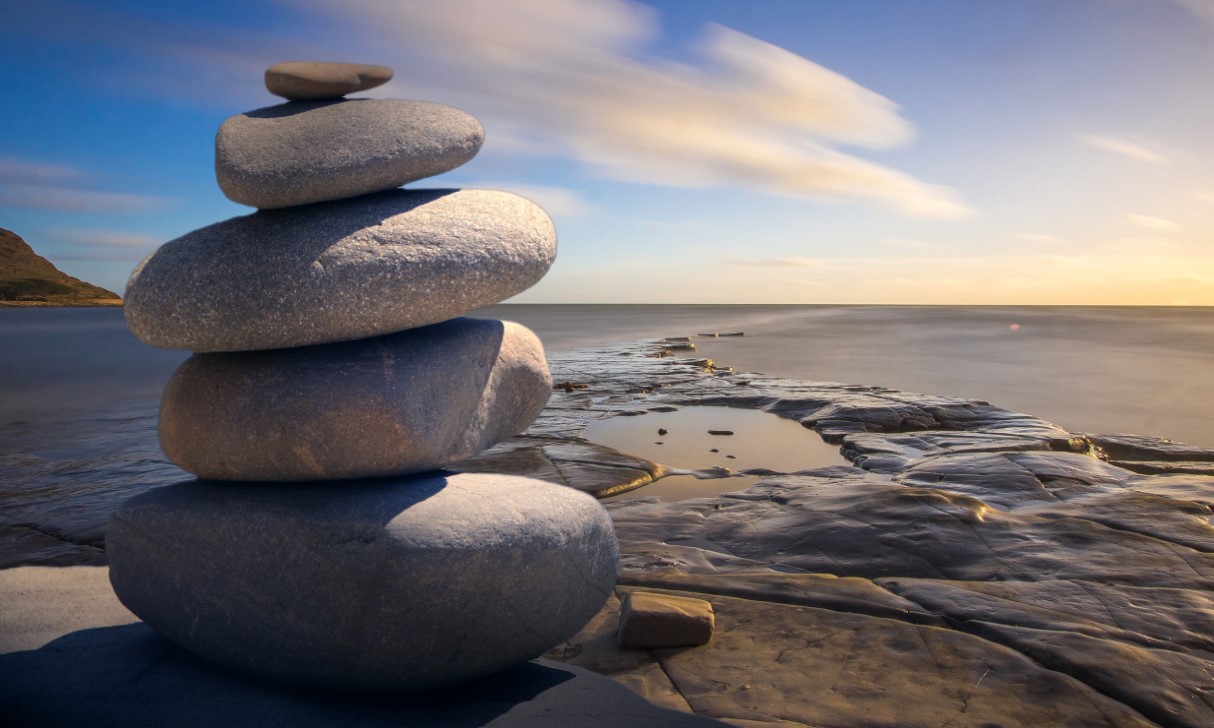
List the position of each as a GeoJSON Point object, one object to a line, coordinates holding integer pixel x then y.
{"type": "Point", "coordinates": [384, 585]}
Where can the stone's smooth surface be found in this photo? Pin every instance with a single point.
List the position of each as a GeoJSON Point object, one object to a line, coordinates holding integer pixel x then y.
{"type": "Point", "coordinates": [310, 80]}
{"type": "Point", "coordinates": [389, 585]}
{"type": "Point", "coordinates": [313, 151]}
{"type": "Point", "coordinates": [72, 655]}
{"type": "Point", "coordinates": [649, 620]}
{"type": "Point", "coordinates": [339, 271]}
{"type": "Point", "coordinates": [389, 405]}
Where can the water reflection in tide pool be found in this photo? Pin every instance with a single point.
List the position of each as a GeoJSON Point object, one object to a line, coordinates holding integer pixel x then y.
{"type": "Point", "coordinates": [759, 440]}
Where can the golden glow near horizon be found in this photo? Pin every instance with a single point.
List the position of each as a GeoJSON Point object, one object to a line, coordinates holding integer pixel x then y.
{"type": "Point", "coordinates": [1029, 152]}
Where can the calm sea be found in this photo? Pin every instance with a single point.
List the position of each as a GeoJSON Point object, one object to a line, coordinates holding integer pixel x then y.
{"type": "Point", "coordinates": [78, 393]}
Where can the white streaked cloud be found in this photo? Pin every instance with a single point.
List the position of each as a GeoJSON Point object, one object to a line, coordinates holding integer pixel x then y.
{"type": "Point", "coordinates": [787, 262]}
{"type": "Point", "coordinates": [1040, 238]}
{"type": "Point", "coordinates": [17, 171]}
{"type": "Point", "coordinates": [556, 201]}
{"type": "Point", "coordinates": [1203, 195]}
{"type": "Point", "coordinates": [106, 238]}
{"type": "Point", "coordinates": [1154, 224]}
{"type": "Point", "coordinates": [75, 200]}
{"type": "Point", "coordinates": [36, 185]}
{"type": "Point", "coordinates": [579, 79]}
{"type": "Point", "coordinates": [1125, 148]}
{"type": "Point", "coordinates": [1201, 9]}
{"type": "Point", "coordinates": [575, 74]}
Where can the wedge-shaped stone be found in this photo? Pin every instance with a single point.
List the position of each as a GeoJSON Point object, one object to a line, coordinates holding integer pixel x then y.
{"type": "Point", "coordinates": [384, 585]}
{"type": "Point", "coordinates": [309, 80]}
{"type": "Point", "coordinates": [390, 405]}
{"type": "Point", "coordinates": [312, 151]}
{"type": "Point", "coordinates": [339, 271]}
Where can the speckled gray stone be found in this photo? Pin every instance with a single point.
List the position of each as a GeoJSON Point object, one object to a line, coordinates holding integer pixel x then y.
{"type": "Point", "coordinates": [310, 80]}
{"type": "Point", "coordinates": [339, 271]}
{"type": "Point", "coordinates": [384, 585]}
{"type": "Point", "coordinates": [389, 405]}
{"type": "Point", "coordinates": [311, 151]}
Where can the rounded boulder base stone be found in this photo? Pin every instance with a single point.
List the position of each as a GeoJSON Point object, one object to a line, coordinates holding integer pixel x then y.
{"type": "Point", "coordinates": [389, 405]}
{"type": "Point", "coordinates": [312, 151]}
{"type": "Point", "coordinates": [339, 271]}
{"type": "Point", "coordinates": [311, 80]}
{"type": "Point", "coordinates": [390, 585]}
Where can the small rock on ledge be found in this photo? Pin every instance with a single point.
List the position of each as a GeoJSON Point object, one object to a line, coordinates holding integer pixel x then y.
{"type": "Point", "coordinates": [650, 620]}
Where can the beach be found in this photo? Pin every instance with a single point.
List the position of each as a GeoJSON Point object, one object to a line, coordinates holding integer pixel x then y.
{"type": "Point", "coordinates": [960, 562]}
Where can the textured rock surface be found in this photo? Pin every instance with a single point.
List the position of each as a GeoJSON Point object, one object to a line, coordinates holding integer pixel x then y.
{"type": "Point", "coordinates": [649, 620]}
{"type": "Point", "coordinates": [388, 405]}
{"type": "Point", "coordinates": [979, 567]}
{"type": "Point", "coordinates": [354, 585]}
{"type": "Point", "coordinates": [313, 151]}
{"type": "Point", "coordinates": [309, 80]}
{"type": "Point", "coordinates": [339, 271]}
{"type": "Point", "coordinates": [72, 655]}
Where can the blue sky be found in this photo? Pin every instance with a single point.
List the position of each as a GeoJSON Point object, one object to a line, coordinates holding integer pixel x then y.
{"type": "Point", "coordinates": [801, 151]}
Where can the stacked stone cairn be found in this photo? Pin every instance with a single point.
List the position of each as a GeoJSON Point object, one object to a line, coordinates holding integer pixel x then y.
{"type": "Point", "coordinates": [332, 376]}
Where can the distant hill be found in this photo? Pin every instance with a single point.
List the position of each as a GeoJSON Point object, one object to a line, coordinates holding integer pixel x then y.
{"type": "Point", "coordinates": [28, 279]}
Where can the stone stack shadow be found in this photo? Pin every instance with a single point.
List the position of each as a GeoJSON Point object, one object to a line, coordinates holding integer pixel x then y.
{"type": "Point", "coordinates": [332, 376]}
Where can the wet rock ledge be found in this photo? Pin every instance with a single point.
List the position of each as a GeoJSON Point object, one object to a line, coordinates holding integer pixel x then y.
{"type": "Point", "coordinates": [973, 567]}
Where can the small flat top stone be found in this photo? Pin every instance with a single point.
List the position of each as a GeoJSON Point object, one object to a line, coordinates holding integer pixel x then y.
{"type": "Point", "coordinates": [312, 80]}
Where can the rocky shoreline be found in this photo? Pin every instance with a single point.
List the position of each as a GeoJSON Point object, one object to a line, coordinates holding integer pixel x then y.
{"type": "Point", "coordinates": [974, 566]}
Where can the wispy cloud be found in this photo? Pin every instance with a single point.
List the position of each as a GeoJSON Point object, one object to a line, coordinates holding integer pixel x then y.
{"type": "Point", "coordinates": [14, 170]}
{"type": "Point", "coordinates": [1203, 195]}
{"type": "Point", "coordinates": [1125, 148]}
{"type": "Point", "coordinates": [1040, 238]}
{"type": "Point", "coordinates": [576, 78]}
{"type": "Point", "coordinates": [556, 201]}
{"type": "Point", "coordinates": [907, 243]}
{"type": "Point", "coordinates": [789, 262]}
{"type": "Point", "coordinates": [106, 238]}
{"type": "Point", "coordinates": [37, 185]}
{"type": "Point", "coordinates": [1155, 224]}
{"type": "Point", "coordinates": [1201, 9]}
{"type": "Point", "coordinates": [73, 200]}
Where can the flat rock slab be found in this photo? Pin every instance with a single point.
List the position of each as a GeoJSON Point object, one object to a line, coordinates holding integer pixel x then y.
{"type": "Point", "coordinates": [313, 151]}
{"type": "Point", "coordinates": [385, 585]}
{"type": "Point", "coordinates": [801, 666]}
{"type": "Point", "coordinates": [649, 620]}
{"type": "Point", "coordinates": [310, 80]}
{"type": "Point", "coordinates": [339, 271]}
{"type": "Point", "coordinates": [388, 405]}
{"type": "Point", "coordinates": [71, 655]}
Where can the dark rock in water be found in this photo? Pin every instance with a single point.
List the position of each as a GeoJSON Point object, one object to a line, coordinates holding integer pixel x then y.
{"type": "Point", "coordinates": [390, 405]}
{"type": "Point", "coordinates": [339, 271]}
{"type": "Point", "coordinates": [662, 430]}
{"type": "Point", "coordinates": [317, 151]}
{"type": "Point", "coordinates": [720, 432]}
{"type": "Point", "coordinates": [28, 278]}
{"type": "Point", "coordinates": [386, 585]}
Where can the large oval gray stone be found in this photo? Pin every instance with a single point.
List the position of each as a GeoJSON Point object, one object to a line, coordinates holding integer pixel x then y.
{"type": "Point", "coordinates": [312, 151]}
{"type": "Point", "coordinates": [381, 585]}
{"type": "Point", "coordinates": [339, 271]}
{"type": "Point", "coordinates": [390, 405]}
